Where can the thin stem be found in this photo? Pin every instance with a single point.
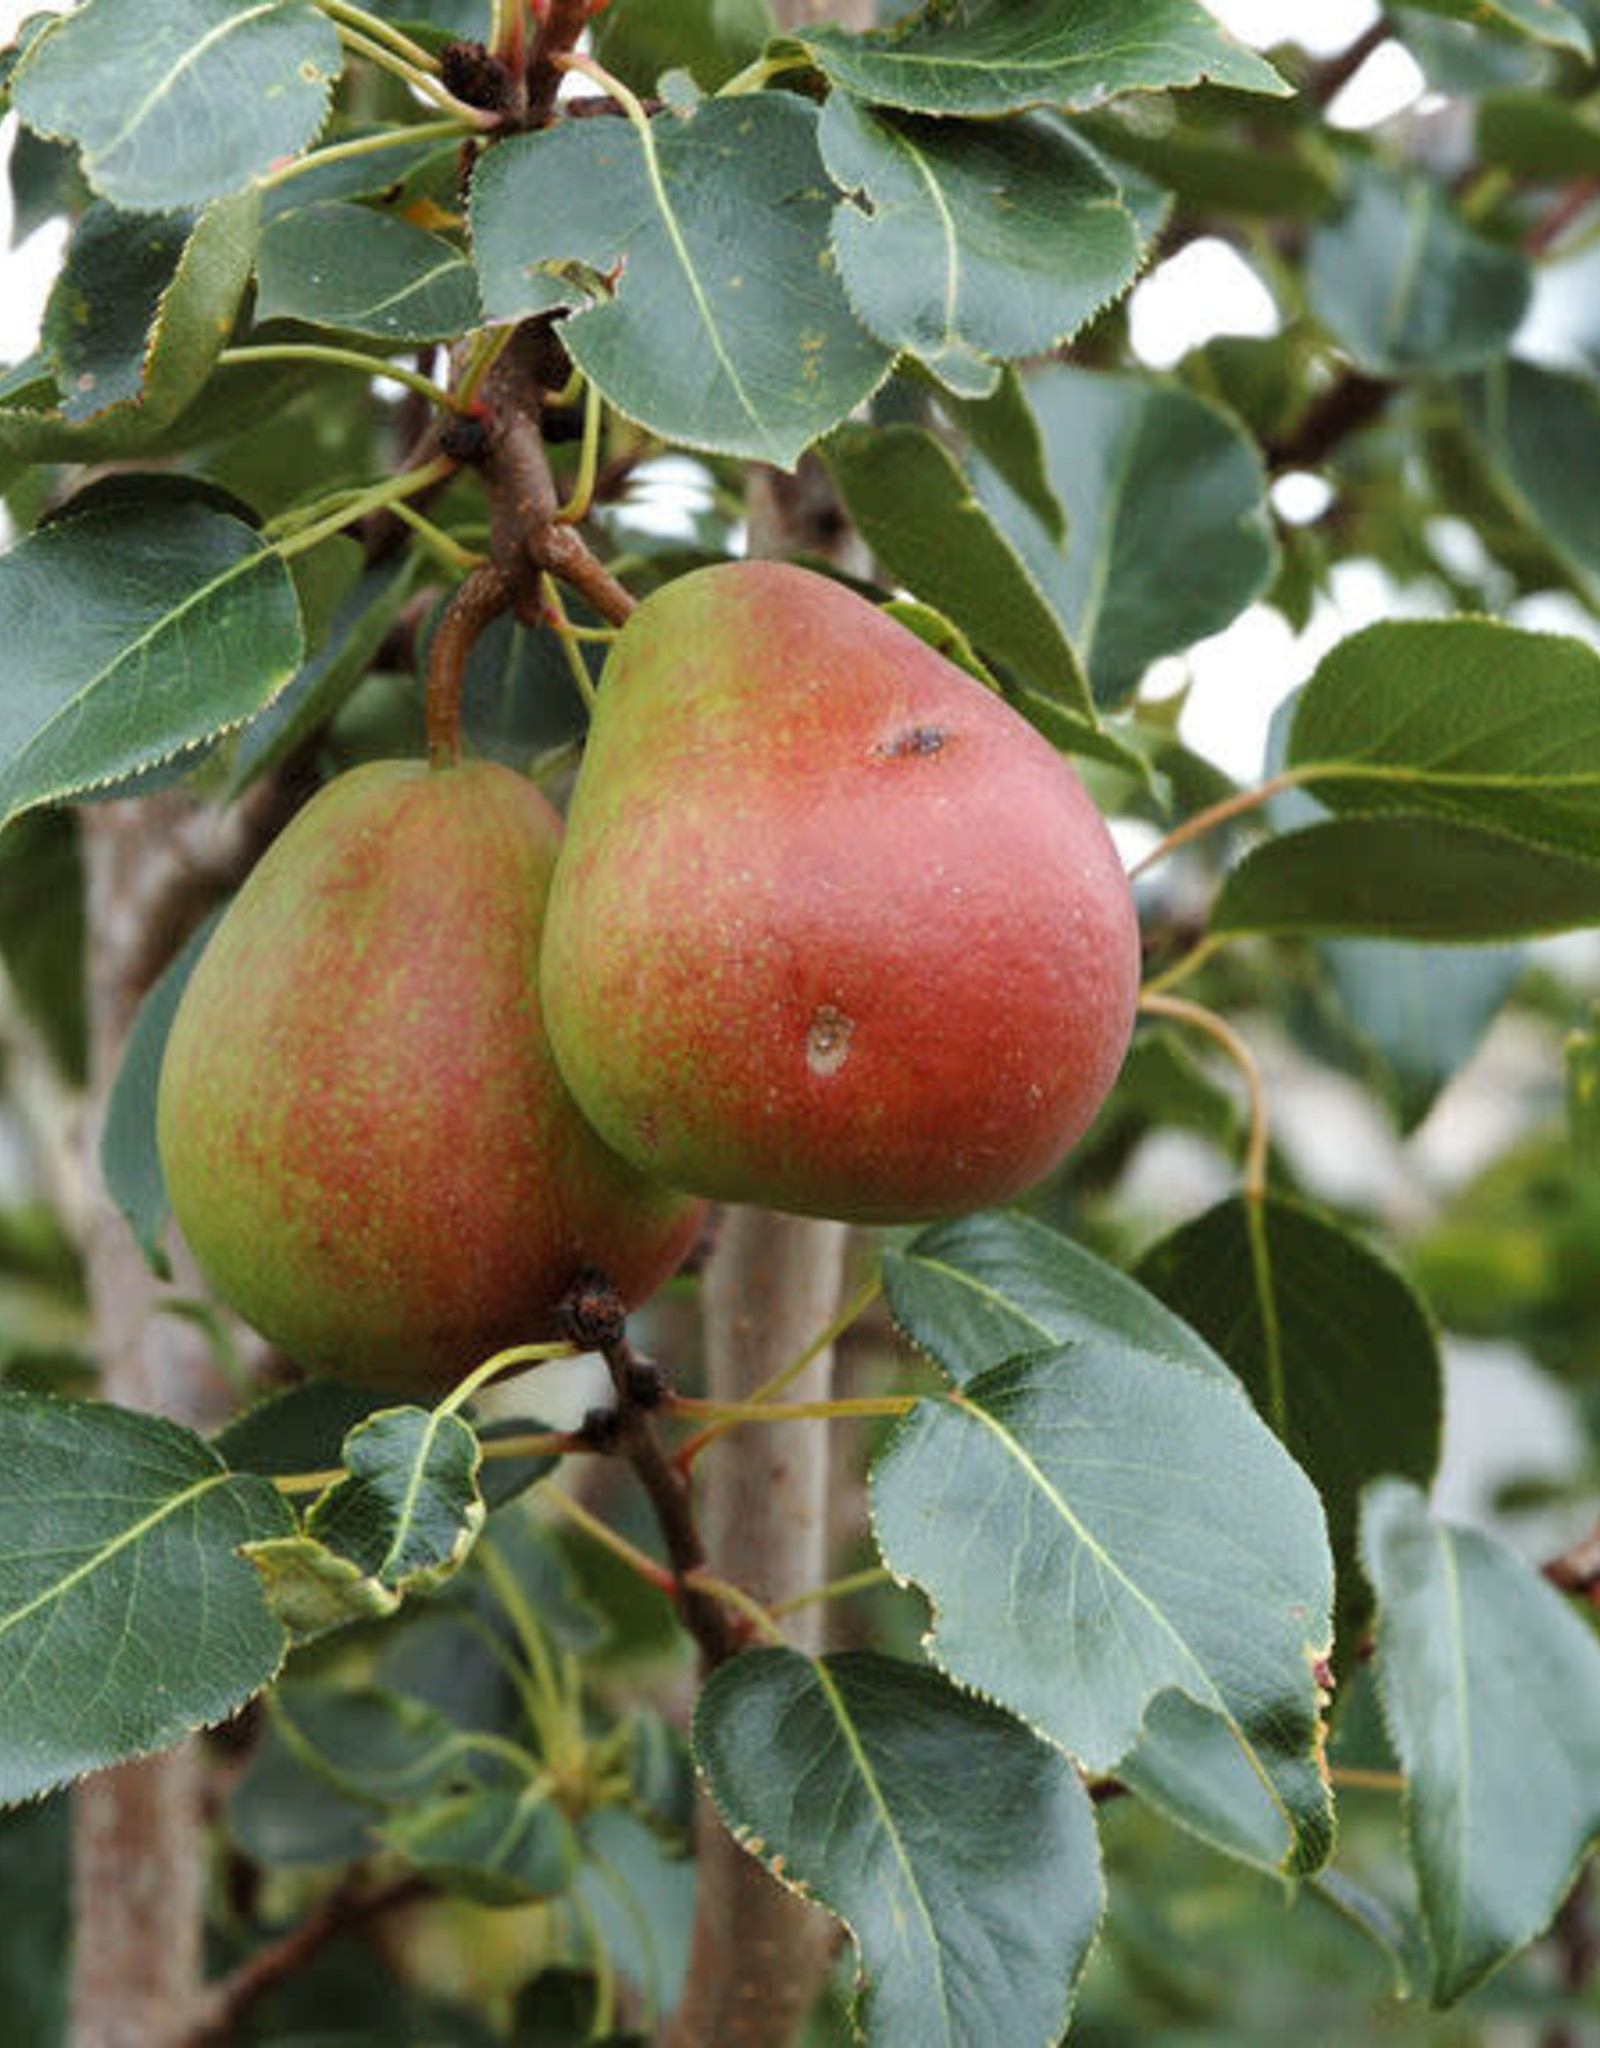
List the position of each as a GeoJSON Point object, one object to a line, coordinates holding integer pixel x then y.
{"type": "Point", "coordinates": [308, 1482]}
{"type": "Point", "coordinates": [1353, 1779]}
{"type": "Point", "coordinates": [483, 352]}
{"type": "Point", "coordinates": [525, 1626]}
{"type": "Point", "coordinates": [563, 551]}
{"type": "Point", "coordinates": [736, 1412]}
{"type": "Point", "coordinates": [377, 30]}
{"type": "Point", "coordinates": [739, 1600]}
{"type": "Point", "coordinates": [484, 595]}
{"type": "Point", "coordinates": [582, 497]}
{"type": "Point", "coordinates": [835, 1589]}
{"type": "Point", "coordinates": [635, 1559]}
{"type": "Point", "coordinates": [344, 359]}
{"type": "Point", "coordinates": [1222, 1033]}
{"type": "Point", "coordinates": [444, 547]}
{"type": "Point", "coordinates": [566, 633]}
{"type": "Point", "coordinates": [1191, 963]}
{"type": "Point", "coordinates": [629, 102]}
{"type": "Point", "coordinates": [1218, 814]}
{"type": "Point", "coordinates": [491, 1368]}
{"type": "Point", "coordinates": [754, 76]}
{"type": "Point", "coordinates": [544, 1443]}
{"type": "Point", "coordinates": [861, 1300]}
{"type": "Point", "coordinates": [360, 145]}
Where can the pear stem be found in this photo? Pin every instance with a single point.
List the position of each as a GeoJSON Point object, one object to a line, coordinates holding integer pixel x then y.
{"type": "Point", "coordinates": [480, 599]}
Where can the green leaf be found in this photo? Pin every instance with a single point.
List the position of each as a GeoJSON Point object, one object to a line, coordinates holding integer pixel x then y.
{"type": "Point", "coordinates": [1096, 1526]}
{"type": "Point", "coordinates": [1491, 1691]}
{"type": "Point", "coordinates": [355, 634]}
{"type": "Point", "coordinates": [174, 102]}
{"type": "Point", "coordinates": [959, 1850]}
{"type": "Point", "coordinates": [639, 39]}
{"type": "Point", "coordinates": [1405, 287]}
{"type": "Point", "coordinates": [301, 1429]}
{"type": "Point", "coordinates": [1476, 721]}
{"type": "Point", "coordinates": [1535, 431]}
{"type": "Point", "coordinates": [338, 265]}
{"type": "Point", "coordinates": [640, 1896]}
{"type": "Point", "coordinates": [36, 1927]}
{"type": "Point", "coordinates": [45, 957]}
{"type": "Point", "coordinates": [1222, 170]}
{"type": "Point", "coordinates": [133, 326]}
{"type": "Point", "coordinates": [917, 513]}
{"type": "Point", "coordinates": [497, 1847]}
{"type": "Point", "coordinates": [331, 1762]}
{"type": "Point", "coordinates": [1333, 1344]}
{"type": "Point", "coordinates": [1421, 1011]}
{"type": "Point", "coordinates": [1002, 56]}
{"type": "Point", "coordinates": [1406, 878]}
{"type": "Point", "coordinates": [133, 631]}
{"type": "Point", "coordinates": [1583, 1094]}
{"type": "Point", "coordinates": [1003, 430]}
{"type": "Point", "coordinates": [1168, 533]}
{"type": "Point", "coordinates": [130, 1163]}
{"type": "Point", "coordinates": [127, 1618]}
{"type": "Point", "coordinates": [961, 242]}
{"type": "Point", "coordinates": [1544, 20]}
{"type": "Point", "coordinates": [724, 325]}
{"type": "Point", "coordinates": [401, 1521]}
{"type": "Point", "coordinates": [976, 1293]}
{"type": "Point", "coordinates": [1536, 135]}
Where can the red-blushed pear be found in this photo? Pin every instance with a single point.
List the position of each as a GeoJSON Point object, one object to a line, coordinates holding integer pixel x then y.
{"type": "Point", "coordinates": [833, 929]}
{"type": "Point", "coordinates": [365, 1137]}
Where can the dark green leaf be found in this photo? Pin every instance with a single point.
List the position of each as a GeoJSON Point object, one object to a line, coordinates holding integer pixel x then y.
{"type": "Point", "coordinates": [131, 633]}
{"type": "Point", "coordinates": [725, 326]}
{"type": "Point", "coordinates": [1544, 20]}
{"type": "Point", "coordinates": [355, 634]}
{"type": "Point", "coordinates": [1491, 1690]}
{"type": "Point", "coordinates": [963, 242]}
{"type": "Point", "coordinates": [916, 511]}
{"type": "Point", "coordinates": [712, 39]}
{"type": "Point", "coordinates": [1537, 135]}
{"type": "Point", "coordinates": [1336, 1350]}
{"type": "Point", "coordinates": [133, 326]}
{"type": "Point", "coordinates": [976, 1293]}
{"type": "Point", "coordinates": [343, 266]}
{"type": "Point", "coordinates": [130, 1163]}
{"type": "Point", "coordinates": [174, 102]}
{"type": "Point", "coordinates": [1406, 878]}
{"type": "Point", "coordinates": [641, 1898]}
{"type": "Point", "coordinates": [1095, 1526]}
{"type": "Point", "coordinates": [1168, 537]}
{"type": "Point", "coordinates": [40, 862]}
{"type": "Point", "coordinates": [1421, 1010]}
{"type": "Point", "coordinates": [958, 1849]}
{"type": "Point", "coordinates": [35, 1921]}
{"type": "Point", "coordinates": [1405, 287]}
{"type": "Point", "coordinates": [1005, 433]}
{"type": "Point", "coordinates": [300, 1430]}
{"type": "Point", "coordinates": [1001, 56]}
{"type": "Point", "coordinates": [500, 1847]}
{"type": "Point", "coordinates": [1536, 431]}
{"type": "Point", "coordinates": [127, 1618]}
{"type": "Point", "coordinates": [1221, 170]}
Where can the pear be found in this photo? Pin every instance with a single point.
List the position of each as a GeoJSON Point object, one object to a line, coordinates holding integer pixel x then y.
{"type": "Point", "coordinates": [365, 1137]}
{"type": "Point", "coordinates": [834, 930]}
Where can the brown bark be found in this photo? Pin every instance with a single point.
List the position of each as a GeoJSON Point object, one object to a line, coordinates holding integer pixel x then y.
{"type": "Point", "coordinates": [138, 1844]}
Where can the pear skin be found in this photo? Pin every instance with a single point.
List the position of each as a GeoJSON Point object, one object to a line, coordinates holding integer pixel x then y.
{"type": "Point", "coordinates": [834, 929]}
{"type": "Point", "coordinates": [365, 1137]}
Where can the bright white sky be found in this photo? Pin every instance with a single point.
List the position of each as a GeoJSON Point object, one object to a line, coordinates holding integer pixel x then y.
{"type": "Point", "coordinates": [1204, 291]}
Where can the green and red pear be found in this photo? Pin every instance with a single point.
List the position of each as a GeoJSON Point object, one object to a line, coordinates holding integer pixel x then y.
{"type": "Point", "coordinates": [365, 1137]}
{"type": "Point", "coordinates": [834, 929]}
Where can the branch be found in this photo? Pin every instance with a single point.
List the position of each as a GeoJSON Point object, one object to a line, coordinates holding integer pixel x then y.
{"type": "Point", "coordinates": [1348, 405]}
{"type": "Point", "coordinates": [563, 25]}
{"type": "Point", "coordinates": [1331, 78]}
{"type": "Point", "coordinates": [346, 1908]}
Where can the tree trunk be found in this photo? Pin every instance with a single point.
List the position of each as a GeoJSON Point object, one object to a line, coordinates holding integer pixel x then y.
{"type": "Point", "coordinates": [138, 1840]}
{"type": "Point", "coordinates": [759, 1953]}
